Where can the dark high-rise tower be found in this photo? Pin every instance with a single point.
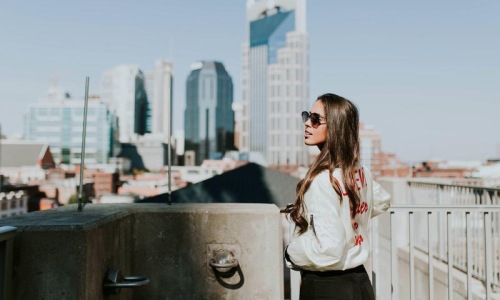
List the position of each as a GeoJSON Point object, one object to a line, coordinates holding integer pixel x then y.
{"type": "Point", "coordinates": [209, 118]}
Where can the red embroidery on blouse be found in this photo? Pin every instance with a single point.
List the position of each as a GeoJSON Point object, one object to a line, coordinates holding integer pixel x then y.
{"type": "Point", "coordinates": [362, 208]}
{"type": "Point", "coordinates": [362, 178]}
{"type": "Point", "coordinates": [358, 239]}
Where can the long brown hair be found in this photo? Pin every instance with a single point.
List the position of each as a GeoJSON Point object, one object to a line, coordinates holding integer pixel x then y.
{"type": "Point", "coordinates": [341, 150]}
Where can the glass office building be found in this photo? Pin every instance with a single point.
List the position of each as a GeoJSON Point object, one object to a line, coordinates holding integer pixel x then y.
{"type": "Point", "coordinates": [58, 121]}
{"type": "Point", "coordinates": [275, 81]}
{"type": "Point", "coordinates": [209, 118]}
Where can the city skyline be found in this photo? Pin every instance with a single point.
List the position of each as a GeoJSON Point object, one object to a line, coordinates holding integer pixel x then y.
{"type": "Point", "coordinates": [424, 74]}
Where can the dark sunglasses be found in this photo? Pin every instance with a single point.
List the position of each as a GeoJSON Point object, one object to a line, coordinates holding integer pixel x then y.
{"type": "Point", "coordinates": [315, 118]}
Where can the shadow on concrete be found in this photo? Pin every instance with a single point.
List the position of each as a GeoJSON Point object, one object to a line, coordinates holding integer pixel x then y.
{"type": "Point", "coordinates": [250, 183]}
{"type": "Point", "coordinates": [221, 278]}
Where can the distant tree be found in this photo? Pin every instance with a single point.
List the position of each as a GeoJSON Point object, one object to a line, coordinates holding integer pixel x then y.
{"type": "Point", "coordinates": [73, 199]}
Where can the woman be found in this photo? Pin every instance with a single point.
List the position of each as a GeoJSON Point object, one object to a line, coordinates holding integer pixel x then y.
{"type": "Point", "coordinates": [334, 204]}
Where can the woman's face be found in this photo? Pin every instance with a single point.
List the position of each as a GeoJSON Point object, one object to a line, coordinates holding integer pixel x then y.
{"type": "Point", "coordinates": [316, 136]}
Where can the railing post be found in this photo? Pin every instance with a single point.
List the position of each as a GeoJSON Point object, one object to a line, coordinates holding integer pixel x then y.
{"type": "Point", "coordinates": [374, 252]}
{"type": "Point", "coordinates": [450, 256]}
{"type": "Point", "coordinates": [394, 286]}
{"type": "Point", "coordinates": [468, 236]}
{"type": "Point", "coordinates": [441, 228]}
{"type": "Point", "coordinates": [412, 255]}
{"type": "Point", "coordinates": [487, 253]}
{"type": "Point", "coordinates": [430, 256]}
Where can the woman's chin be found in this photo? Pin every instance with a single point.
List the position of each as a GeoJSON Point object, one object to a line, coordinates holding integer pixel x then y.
{"type": "Point", "coordinates": [309, 142]}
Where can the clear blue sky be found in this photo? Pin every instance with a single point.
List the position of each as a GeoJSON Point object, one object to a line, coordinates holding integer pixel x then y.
{"type": "Point", "coordinates": [426, 73]}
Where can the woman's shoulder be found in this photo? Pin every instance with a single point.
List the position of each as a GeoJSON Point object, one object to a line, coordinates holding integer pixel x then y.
{"type": "Point", "coordinates": [337, 174]}
{"type": "Point", "coordinates": [325, 181]}
{"type": "Point", "coordinates": [322, 177]}
{"type": "Point", "coordinates": [361, 170]}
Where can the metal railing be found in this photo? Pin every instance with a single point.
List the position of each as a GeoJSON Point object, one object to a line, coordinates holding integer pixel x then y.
{"type": "Point", "coordinates": [462, 237]}
{"type": "Point", "coordinates": [436, 193]}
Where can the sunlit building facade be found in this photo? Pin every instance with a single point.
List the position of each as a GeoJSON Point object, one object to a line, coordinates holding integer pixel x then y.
{"type": "Point", "coordinates": [123, 89]}
{"type": "Point", "coordinates": [58, 121]}
{"type": "Point", "coordinates": [209, 118]}
{"type": "Point", "coordinates": [160, 93]}
{"type": "Point", "coordinates": [275, 81]}
{"type": "Point", "coordinates": [371, 148]}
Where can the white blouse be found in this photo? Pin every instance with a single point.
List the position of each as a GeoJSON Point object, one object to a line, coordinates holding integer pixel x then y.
{"type": "Point", "coordinates": [333, 240]}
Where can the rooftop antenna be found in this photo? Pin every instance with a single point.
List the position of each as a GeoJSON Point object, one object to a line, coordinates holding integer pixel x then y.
{"type": "Point", "coordinates": [169, 148]}
{"type": "Point", "coordinates": [1, 176]}
{"type": "Point", "coordinates": [84, 134]}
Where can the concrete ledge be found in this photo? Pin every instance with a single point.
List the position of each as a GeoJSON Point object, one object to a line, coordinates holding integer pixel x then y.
{"type": "Point", "coordinates": [64, 254]}
{"type": "Point", "coordinates": [94, 215]}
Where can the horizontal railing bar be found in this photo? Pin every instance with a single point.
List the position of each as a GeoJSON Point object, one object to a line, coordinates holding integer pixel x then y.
{"type": "Point", "coordinates": [454, 185]}
{"type": "Point", "coordinates": [445, 207]}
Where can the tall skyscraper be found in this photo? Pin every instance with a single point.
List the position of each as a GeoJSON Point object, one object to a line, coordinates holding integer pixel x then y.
{"type": "Point", "coordinates": [275, 87]}
{"type": "Point", "coordinates": [159, 87]}
{"type": "Point", "coordinates": [209, 118]}
{"type": "Point", "coordinates": [122, 88]}
{"type": "Point", "coordinates": [58, 121]}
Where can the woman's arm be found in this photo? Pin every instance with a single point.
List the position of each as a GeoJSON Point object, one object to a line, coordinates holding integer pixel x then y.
{"type": "Point", "coordinates": [381, 199]}
{"type": "Point", "coordinates": [320, 250]}
{"type": "Point", "coordinates": [324, 242]}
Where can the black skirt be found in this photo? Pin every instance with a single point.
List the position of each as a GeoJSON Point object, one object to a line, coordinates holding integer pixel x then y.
{"type": "Point", "coordinates": [352, 284]}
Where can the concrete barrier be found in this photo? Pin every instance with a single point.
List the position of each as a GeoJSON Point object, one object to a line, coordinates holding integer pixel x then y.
{"type": "Point", "coordinates": [64, 254]}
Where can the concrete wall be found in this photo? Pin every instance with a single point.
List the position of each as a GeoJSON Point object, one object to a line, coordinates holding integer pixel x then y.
{"type": "Point", "coordinates": [64, 254]}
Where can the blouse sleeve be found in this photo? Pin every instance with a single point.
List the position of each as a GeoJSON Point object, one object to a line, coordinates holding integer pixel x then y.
{"type": "Point", "coordinates": [381, 199]}
{"type": "Point", "coordinates": [323, 243]}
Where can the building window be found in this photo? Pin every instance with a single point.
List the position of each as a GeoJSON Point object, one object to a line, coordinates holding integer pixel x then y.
{"type": "Point", "coordinates": [212, 88]}
{"type": "Point", "coordinates": [203, 90]}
